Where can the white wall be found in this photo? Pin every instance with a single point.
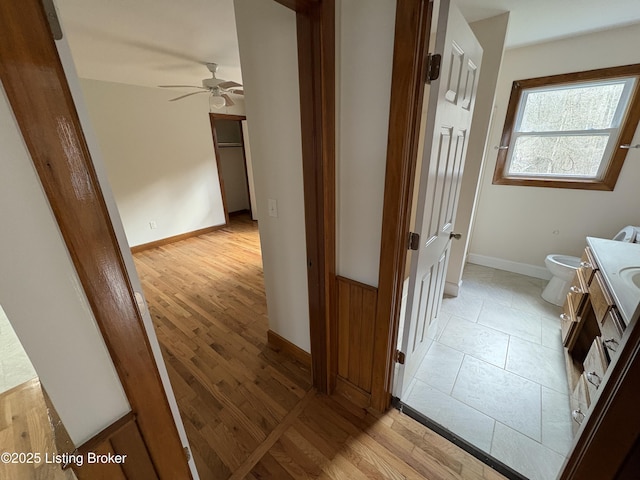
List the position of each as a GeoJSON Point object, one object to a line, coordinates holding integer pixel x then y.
{"type": "Point", "coordinates": [268, 55]}
{"type": "Point", "coordinates": [98, 163]}
{"type": "Point", "coordinates": [491, 34]}
{"type": "Point", "coordinates": [517, 224]}
{"type": "Point", "coordinates": [364, 57]}
{"type": "Point", "coordinates": [159, 158]}
{"type": "Point", "coordinates": [44, 300]}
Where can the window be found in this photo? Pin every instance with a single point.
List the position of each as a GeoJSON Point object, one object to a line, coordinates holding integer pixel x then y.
{"type": "Point", "coordinates": [570, 131]}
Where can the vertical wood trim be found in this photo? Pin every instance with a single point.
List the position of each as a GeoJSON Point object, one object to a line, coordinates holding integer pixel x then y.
{"type": "Point", "coordinates": [216, 151]}
{"type": "Point", "coordinates": [316, 66]}
{"type": "Point", "coordinates": [356, 318]}
{"type": "Point", "coordinates": [37, 89]}
{"type": "Point", "coordinates": [413, 21]}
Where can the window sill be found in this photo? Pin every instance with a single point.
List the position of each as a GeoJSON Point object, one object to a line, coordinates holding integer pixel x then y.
{"type": "Point", "coordinates": [601, 185]}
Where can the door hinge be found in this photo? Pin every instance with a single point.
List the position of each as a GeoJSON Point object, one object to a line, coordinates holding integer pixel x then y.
{"type": "Point", "coordinates": [414, 241]}
{"type": "Point", "coordinates": [187, 453]}
{"type": "Point", "coordinates": [400, 357]}
{"type": "Point", "coordinates": [52, 18]}
{"type": "Point", "coordinates": [433, 67]}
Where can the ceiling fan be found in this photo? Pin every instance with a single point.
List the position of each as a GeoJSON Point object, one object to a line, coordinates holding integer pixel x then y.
{"type": "Point", "coordinates": [217, 88]}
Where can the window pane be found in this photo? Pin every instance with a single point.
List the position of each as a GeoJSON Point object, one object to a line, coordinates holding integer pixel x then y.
{"type": "Point", "coordinates": [571, 108]}
{"type": "Point", "coordinates": [560, 156]}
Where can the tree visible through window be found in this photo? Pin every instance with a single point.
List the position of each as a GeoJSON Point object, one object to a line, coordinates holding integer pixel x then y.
{"type": "Point", "coordinates": [569, 130]}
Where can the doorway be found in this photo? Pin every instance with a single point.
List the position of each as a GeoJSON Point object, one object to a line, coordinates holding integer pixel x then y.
{"type": "Point", "coordinates": [233, 158]}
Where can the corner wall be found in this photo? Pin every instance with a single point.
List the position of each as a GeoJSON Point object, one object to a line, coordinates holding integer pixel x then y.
{"type": "Point", "coordinates": [269, 57]}
{"type": "Point", "coordinates": [524, 224]}
{"type": "Point", "coordinates": [159, 158]}
{"type": "Point", "coordinates": [44, 300]}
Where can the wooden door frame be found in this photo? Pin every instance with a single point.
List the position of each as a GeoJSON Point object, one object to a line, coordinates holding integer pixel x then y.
{"type": "Point", "coordinates": [37, 89]}
{"type": "Point", "coordinates": [413, 27]}
{"type": "Point", "coordinates": [614, 420]}
{"type": "Point", "coordinates": [315, 25]}
{"type": "Point", "coordinates": [216, 150]}
{"type": "Point", "coordinates": [52, 132]}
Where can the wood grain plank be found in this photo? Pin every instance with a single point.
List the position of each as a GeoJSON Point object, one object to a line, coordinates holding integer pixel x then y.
{"type": "Point", "coordinates": [343, 327]}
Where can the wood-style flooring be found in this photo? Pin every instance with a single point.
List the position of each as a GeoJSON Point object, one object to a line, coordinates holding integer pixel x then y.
{"type": "Point", "coordinates": [25, 428]}
{"type": "Point", "coordinates": [250, 412]}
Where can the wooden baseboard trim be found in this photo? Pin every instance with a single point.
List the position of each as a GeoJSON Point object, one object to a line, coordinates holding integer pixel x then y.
{"type": "Point", "coordinates": [354, 394]}
{"type": "Point", "coordinates": [175, 238]}
{"type": "Point", "coordinates": [282, 345]}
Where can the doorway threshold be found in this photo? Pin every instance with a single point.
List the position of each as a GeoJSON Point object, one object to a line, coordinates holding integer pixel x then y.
{"type": "Point", "coordinates": [471, 449]}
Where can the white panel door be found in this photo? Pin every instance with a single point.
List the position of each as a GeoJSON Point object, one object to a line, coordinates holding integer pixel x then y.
{"type": "Point", "coordinates": [450, 109]}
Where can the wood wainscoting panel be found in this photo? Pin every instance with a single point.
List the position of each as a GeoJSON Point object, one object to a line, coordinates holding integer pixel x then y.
{"type": "Point", "coordinates": [121, 438]}
{"type": "Point", "coordinates": [356, 319]}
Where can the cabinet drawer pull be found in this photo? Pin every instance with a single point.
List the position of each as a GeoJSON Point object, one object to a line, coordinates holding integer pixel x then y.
{"type": "Point", "coordinates": [578, 416]}
{"type": "Point", "coordinates": [611, 344]}
{"type": "Point", "coordinates": [575, 289]}
{"type": "Point", "coordinates": [586, 265]}
{"type": "Point", "coordinates": [564, 316]}
{"type": "Point", "coordinates": [594, 379]}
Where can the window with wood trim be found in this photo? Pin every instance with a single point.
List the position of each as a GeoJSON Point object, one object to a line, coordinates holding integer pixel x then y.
{"type": "Point", "coordinates": [570, 131]}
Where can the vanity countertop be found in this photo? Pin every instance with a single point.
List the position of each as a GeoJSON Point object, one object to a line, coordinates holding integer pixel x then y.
{"type": "Point", "coordinates": [614, 259]}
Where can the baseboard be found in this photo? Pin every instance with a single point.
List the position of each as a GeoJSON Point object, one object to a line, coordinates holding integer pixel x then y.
{"type": "Point", "coordinates": [354, 394]}
{"type": "Point", "coordinates": [175, 238]}
{"type": "Point", "coordinates": [509, 266]}
{"type": "Point", "coordinates": [452, 289]}
{"type": "Point", "coordinates": [282, 345]}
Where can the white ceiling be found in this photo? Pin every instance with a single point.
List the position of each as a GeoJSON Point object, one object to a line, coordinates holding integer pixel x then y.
{"type": "Point", "coordinates": [158, 42]}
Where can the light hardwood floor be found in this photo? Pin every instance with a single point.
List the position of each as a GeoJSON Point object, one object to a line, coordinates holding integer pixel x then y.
{"type": "Point", "coordinates": [250, 412]}
{"type": "Point", "coordinates": [25, 428]}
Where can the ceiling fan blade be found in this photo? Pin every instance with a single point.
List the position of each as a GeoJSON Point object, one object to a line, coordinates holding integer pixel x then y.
{"type": "Point", "coordinates": [182, 86]}
{"type": "Point", "coordinates": [228, 100]}
{"type": "Point", "coordinates": [237, 91]}
{"type": "Point", "coordinates": [187, 95]}
{"type": "Point", "coordinates": [229, 84]}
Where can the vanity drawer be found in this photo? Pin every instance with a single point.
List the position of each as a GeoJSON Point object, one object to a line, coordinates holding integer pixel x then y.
{"type": "Point", "coordinates": [579, 402]}
{"type": "Point", "coordinates": [595, 364]}
{"type": "Point", "coordinates": [587, 266]}
{"type": "Point", "coordinates": [600, 298]}
{"type": "Point", "coordinates": [578, 293]}
{"type": "Point", "coordinates": [611, 330]}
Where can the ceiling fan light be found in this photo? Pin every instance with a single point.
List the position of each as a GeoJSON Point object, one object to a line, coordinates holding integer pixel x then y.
{"type": "Point", "coordinates": [216, 101]}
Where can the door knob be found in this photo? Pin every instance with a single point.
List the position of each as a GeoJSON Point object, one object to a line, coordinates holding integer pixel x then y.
{"type": "Point", "coordinates": [457, 236]}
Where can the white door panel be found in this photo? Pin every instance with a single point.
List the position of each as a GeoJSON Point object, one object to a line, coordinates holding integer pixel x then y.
{"type": "Point", "coordinates": [450, 110]}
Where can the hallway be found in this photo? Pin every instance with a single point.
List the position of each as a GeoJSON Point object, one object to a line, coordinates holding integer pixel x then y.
{"type": "Point", "coordinates": [249, 412]}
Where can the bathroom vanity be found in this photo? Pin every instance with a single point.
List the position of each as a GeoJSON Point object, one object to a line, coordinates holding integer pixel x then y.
{"type": "Point", "coordinates": [602, 304]}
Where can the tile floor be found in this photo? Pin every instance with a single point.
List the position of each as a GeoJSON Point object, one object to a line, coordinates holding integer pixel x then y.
{"type": "Point", "coordinates": [494, 373]}
{"type": "Point", "coordinates": [15, 366]}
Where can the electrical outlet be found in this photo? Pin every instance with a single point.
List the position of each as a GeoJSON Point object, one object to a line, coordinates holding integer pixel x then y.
{"type": "Point", "coordinates": [153, 225]}
{"type": "Point", "coordinates": [273, 208]}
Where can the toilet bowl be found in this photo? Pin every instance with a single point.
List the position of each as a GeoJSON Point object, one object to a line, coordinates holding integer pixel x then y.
{"type": "Point", "coordinates": [563, 268]}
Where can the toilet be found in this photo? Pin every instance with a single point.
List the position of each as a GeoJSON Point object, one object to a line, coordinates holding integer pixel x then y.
{"type": "Point", "coordinates": [563, 268]}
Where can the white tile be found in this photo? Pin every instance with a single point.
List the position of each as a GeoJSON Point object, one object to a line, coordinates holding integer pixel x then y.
{"type": "Point", "coordinates": [457, 417]}
{"type": "Point", "coordinates": [477, 340]}
{"type": "Point", "coordinates": [440, 367]}
{"type": "Point", "coordinates": [462, 306]}
{"type": "Point", "coordinates": [556, 421]}
{"type": "Point", "coordinates": [524, 455]}
{"type": "Point", "coordinates": [551, 333]}
{"type": "Point", "coordinates": [512, 321]}
{"type": "Point", "coordinates": [485, 290]}
{"type": "Point", "coordinates": [502, 395]}
{"type": "Point", "coordinates": [537, 363]}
